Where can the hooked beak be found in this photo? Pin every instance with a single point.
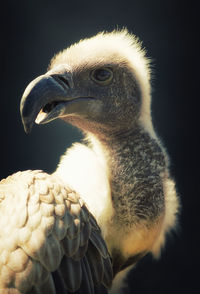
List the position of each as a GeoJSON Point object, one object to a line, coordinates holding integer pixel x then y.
{"type": "Point", "coordinates": [44, 100]}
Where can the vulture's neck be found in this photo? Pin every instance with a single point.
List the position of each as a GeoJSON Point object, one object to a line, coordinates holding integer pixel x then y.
{"type": "Point", "coordinates": [118, 177]}
{"type": "Point", "coordinates": [131, 158]}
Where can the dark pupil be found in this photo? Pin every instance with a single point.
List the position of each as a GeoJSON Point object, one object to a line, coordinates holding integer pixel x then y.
{"type": "Point", "coordinates": [101, 75]}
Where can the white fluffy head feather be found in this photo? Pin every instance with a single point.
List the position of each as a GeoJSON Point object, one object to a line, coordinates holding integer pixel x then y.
{"type": "Point", "coordinates": [113, 47]}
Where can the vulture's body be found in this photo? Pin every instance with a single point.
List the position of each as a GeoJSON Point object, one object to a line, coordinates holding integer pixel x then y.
{"type": "Point", "coordinates": [120, 173]}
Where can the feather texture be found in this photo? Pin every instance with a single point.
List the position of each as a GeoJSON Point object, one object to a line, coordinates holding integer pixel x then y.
{"type": "Point", "coordinates": [52, 234]}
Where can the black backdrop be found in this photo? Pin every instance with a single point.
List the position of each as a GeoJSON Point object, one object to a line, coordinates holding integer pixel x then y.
{"type": "Point", "coordinates": [33, 31]}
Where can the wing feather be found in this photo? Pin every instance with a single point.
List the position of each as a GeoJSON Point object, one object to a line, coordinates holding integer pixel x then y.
{"type": "Point", "coordinates": [71, 273]}
{"type": "Point", "coordinates": [70, 246]}
{"type": "Point", "coordinates": [108, 273]}
{"type": "Point", "coordinates": [87, 281]}
{"type": "Point", "coordinates": [48, 287]}
{"type": "Point", "coordinates": [45, 227]}
{"type": "Point", "coordinates": [99, 243]}
{"type": "Point", "coordinates": [96, 263]}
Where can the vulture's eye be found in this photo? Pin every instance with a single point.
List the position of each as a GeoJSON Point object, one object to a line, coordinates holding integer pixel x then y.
{"type": "Point", "coordinates": [102, 76]}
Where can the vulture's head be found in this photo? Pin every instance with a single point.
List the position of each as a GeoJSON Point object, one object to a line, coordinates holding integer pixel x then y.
{"type": "Point", "coordinates": [101, 85]}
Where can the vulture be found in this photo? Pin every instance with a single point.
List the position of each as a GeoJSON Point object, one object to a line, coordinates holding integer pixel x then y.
{"type": "Point", "coordinates": [111, 199]}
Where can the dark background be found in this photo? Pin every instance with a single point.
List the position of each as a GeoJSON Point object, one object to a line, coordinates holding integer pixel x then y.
{"type": "Point", "coordinates": [33, 31]}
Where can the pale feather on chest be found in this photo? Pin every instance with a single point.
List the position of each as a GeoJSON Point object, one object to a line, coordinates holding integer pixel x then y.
{"type": "Point", "coordinates": [85, 171]}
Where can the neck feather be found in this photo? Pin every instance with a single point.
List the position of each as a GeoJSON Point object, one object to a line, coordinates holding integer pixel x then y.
{"type": "Point", "coordinates": [134, 162]}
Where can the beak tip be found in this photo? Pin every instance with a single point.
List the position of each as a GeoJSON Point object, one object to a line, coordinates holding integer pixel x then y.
{"type": "Point", "coordinates": [27, 131]}
{"type": "Point", "coordinates": [27, 127]}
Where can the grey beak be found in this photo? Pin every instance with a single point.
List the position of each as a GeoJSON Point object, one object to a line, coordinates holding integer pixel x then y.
{"type": "Point", "coordinates": [41, 91]}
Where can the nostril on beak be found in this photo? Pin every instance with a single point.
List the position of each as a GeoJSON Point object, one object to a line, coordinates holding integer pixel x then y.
{"type": "Point", "coordinates": [62, 80]}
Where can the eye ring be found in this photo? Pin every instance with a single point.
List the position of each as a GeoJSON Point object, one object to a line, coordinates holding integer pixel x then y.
{"type": "Point", "coordinates": [102, 76]}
